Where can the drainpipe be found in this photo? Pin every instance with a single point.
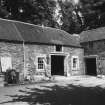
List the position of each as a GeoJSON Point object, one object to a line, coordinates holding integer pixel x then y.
{"type": "Point", "coordinates": [19, 34]}
{"type": "Point", "coordinates": [24, 59]}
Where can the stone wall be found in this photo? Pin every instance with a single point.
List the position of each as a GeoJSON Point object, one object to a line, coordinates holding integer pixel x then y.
{"type": "Point", "coordinates": [97, 49]}
{"type": "Point", "coordinates": [25, 56]}
{"type": "Point", "coordinates": [15, 52]}
{"type": "Point", "coordinates": [31, 54]}
{"type": "Point", "coordinates": [32, 51]}
{"type": "Point", "coordinates": [75, 52]}
{"type": "Point", "coordinates": [101, 65]}
{"type": "Point", "coordinates": [94, 47]}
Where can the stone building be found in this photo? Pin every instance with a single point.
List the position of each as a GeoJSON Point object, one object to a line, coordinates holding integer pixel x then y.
{"type": "Point", "coordinates": [93, 42]}
{"type": "Point", "coordinates": [34, 50]}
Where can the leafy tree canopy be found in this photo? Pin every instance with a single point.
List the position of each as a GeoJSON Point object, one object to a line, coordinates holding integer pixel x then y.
{"type": "Point", "coordinates": [72, 16]}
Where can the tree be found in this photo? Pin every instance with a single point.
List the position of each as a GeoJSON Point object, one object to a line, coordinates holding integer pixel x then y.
{"type": "Point", "coordinates": [33, 11]}
{"type": "Point", "coordinates": [93, 12]}
{"type": "Point", "coordinates": [72, 16]}
{"type": "Point", "coordinates": [52, 13]}
{"type": "Point", "coordinates": [71, 19]}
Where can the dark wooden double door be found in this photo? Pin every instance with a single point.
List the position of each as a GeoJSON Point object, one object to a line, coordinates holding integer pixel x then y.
{"type": "Point", "coordinates": [57, 64]}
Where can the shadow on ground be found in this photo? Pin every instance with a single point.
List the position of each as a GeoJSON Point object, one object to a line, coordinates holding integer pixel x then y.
{"type": "Point", "coordinates": [61, 95]}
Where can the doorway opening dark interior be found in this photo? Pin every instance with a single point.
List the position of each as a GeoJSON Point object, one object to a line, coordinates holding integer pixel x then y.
{"type": "Point", "coordinates": [57, 64]}
{"type": "Point", "coordinates": [90, 64]}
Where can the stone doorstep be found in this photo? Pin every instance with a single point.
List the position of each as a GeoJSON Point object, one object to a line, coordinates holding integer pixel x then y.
{"type": "Point", "coordinates": [59, 78]}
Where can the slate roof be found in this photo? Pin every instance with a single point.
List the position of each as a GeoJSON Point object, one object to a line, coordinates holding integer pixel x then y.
{"type": "Point", "coordinates": [93, 35]}
{"type": "Point", "coordinates": [20, 31]}
{"type": "Point", "coordinates": [8, 31]}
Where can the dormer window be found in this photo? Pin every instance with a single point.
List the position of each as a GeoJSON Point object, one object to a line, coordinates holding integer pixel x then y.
{"type": "Point", "coordinates": [58, 48]}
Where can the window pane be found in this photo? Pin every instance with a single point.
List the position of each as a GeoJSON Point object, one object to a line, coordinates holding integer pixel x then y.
{"type": "Point", "coordinates": [40, 67]}
{"type": "Point", "coordinates": [40, 63]}
{"type": "Point", "coordinates": [39, 60]}
{"type": "Point", "coordinates": [75, 63]}
{"type": "Point", "coordinates": [58, 48]}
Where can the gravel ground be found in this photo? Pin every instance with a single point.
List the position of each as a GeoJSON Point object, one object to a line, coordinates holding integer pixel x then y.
{"type": "Point", "coordinates": [64, 91]}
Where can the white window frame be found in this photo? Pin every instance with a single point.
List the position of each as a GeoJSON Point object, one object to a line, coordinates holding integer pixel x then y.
{"type": "Point", "coordinates": [77, 64]}
{"type": "Point", "coordinates": [40, 56]}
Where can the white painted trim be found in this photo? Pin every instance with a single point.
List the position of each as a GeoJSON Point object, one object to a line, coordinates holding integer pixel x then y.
{"type": "Point", "coordinates": [66, 57]}
{"type": "Point", "coordinates": [40, 55]}
{"type": "Point", "coordinates": [54, 48]}
{"type": "Point", "coordinates": [90, 56]}
{"type": "Point", "coordinates": [67, 65]}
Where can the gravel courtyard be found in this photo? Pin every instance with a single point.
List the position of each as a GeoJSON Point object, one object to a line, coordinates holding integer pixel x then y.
{"type": "Point", "coordinates": [63, 91]}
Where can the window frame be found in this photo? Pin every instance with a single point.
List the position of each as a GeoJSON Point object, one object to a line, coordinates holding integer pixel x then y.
{"type": "Point", "coordinates": [77, 63]}
{"type": "Point", "coordinates": [56, 48]}
{"type": "Point", "coordinates": [40, 56]}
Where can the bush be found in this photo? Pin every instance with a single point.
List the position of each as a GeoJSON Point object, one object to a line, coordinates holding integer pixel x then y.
{"type": "Point", "coordinates": [11, 76]}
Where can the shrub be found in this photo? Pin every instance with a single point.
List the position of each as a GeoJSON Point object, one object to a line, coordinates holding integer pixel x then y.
{"type": "Point", "coordinates": [11, 76]}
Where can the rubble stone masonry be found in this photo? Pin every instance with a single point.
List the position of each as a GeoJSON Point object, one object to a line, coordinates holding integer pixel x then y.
{"type": "Point", "coordinates": [24, 57]}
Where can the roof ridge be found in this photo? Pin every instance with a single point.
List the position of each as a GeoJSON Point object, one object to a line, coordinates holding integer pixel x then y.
{"type": "Point", "coordinates": [22, 30]}
{"type": "Point", "coordinates": [16, 21]}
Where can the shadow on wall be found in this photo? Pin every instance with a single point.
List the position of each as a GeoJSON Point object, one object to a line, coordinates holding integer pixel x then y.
{"type": "Point", "coordinates": [57, 95]}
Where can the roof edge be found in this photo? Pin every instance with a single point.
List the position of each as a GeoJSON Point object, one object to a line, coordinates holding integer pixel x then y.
{"type": "Point", "coordinates": [16, 21]}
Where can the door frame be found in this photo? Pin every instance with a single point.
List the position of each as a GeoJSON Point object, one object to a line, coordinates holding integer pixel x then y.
{"type": "Point", "coordinates": [66, 55]}
{"type": "Point", "coordinates": [91, 56]}
{"type": "Point", "coordinates": [53, 72]}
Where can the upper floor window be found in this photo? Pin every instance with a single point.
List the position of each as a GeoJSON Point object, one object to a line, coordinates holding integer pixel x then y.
{"type": "Point", "coordinates": [58, 48]}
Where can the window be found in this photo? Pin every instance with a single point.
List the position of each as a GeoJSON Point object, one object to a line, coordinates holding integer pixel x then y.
{"type": "Point", "coordinates": [6, 63]}
{"type": "Point", "coordinates": [40, 63]}
{"type": "Point", "coordinates": [58, 48]}
{"type": "Point", "coordinates": [75, 62]}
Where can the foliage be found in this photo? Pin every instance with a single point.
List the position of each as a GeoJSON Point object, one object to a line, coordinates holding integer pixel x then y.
{"type": "Point", "coordinates": [94, 13]}
{"type": "Point", "coordinates": [32, 11]}
{"type": "Point", "coordinates": [11, 76]}
{"type": "Point", "coordinates": [71, 19]}
{"type": "Point", "coordinates": [41, 12]}
{"type": "Point", "coordinates": [64, 14]}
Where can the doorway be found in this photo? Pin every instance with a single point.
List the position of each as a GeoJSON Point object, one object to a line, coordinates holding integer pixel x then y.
{"type": "Point", "coordinates": [57, 65]}
{"type": "Point", "coordinates": [91, 66]}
